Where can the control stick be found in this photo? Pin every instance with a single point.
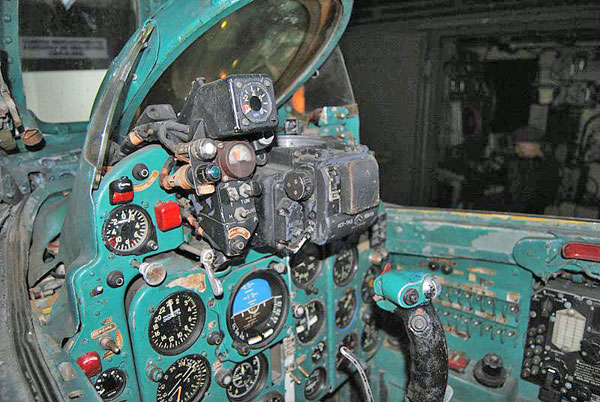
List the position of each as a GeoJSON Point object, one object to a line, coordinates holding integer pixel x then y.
{"type": "Point", "coordinates": [409, 295]}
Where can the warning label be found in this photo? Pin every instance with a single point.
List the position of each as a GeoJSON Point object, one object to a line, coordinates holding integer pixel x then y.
{"type": "Point", "coordinates": [63, 47]}
{"type": "Point", "coordinates": [588, 374]}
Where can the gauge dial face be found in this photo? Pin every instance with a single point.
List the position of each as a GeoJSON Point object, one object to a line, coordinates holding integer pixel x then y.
{"type": "Point", "coordinates": [318, 351]}
{"type": "Point", "coordinates": [273, 397]}
{"type": "Point", "coordinates": [315, 383]}
{"type": "Point", "coordinates": [306, 266]}
{"type": "Point", "coordinates": [126, 229]}
{"type": "Point", "coordinates": [247, 379]}
{"type": "Point", "coordinates": [110, 383]}
{"type": "Point", "coordinates": [237, 159]}
{"type": "Point", "coordinates": [366, 290]}
{"type": "Point", "coordinates": [176, 323]}
{"type": "Point", "coordinates": [351, 342]}
{"type": "Point", "coordinates": [310, 324]}
{"type": "Point", "coordinates": [186, 380]}
{"type": "Point", "coordinates": [344, 309]}
{"type": "Point", "coordinates": [344, 266]}
{"type": "Point", "coordinates": [370, 336]}
{"type": "Point", "coordinates": [258, 308]}
{"type": "Point", "coordinates": [256, 102]}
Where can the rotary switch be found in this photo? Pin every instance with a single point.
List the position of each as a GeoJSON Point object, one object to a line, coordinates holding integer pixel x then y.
{"type": "Point", "coordinates": [490, 371]}
{"type": "Point", "coordinates": [298, 184]}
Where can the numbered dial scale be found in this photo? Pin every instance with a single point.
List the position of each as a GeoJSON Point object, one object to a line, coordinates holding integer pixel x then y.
{"type": "Point", "coordinates": [310, 323]}
{"type": "Point", "coordinates": [110, 383]}
{"type": "Point", "coordinates": [306, 266]}
{"type": "Point", "coordinates": [256, 102]}
{"type": "Point", "coordinates": [127, 229]}
{"type": "Point", "coordinates": [176, 323]}
{"type": "Point", "coordinates": [247, 379]}
{"type": "Point", "coordinates": [258, 308]}
{"type": "Point", "coordinates": [186, 380]}
{"type": "Point", "coordinates": [315, 383]}
{"type": "Point", "coordinates": [345, 265]}
{"type": "Point", "coordinates": [345, 308]}
{"type": "Point", "coordinates": [366, 290]}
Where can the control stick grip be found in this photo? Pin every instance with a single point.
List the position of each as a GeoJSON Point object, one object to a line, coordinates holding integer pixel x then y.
{"type": "Point", "coordinates": [428, 354]}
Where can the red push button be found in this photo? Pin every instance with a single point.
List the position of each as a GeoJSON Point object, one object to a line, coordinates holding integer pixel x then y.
{"type": "Point", "coordinates": [90, 363]}
{"type": "Point", "coordinates": [168, 215]}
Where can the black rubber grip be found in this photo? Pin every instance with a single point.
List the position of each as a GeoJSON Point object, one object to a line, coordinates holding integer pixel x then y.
{"type": "Point", "coordinates": [428, 354]}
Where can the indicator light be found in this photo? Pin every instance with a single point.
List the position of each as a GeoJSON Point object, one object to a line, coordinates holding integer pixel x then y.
{"type": "Point", "coordinates": [581, 251]}
{"type": "Point", "coordinates": [168, 215]}
{"type": "Point", "coordinates": [90, 363]}
{"type": "Point", "coordinates": [121, 191]}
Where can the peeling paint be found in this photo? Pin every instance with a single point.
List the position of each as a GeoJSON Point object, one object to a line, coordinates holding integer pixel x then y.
{"type": "Point", "coordinates": [195, 281]}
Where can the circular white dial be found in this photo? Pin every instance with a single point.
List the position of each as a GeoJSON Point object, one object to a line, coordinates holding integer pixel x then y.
{"type": "Point", "coordinates": [256, 102]}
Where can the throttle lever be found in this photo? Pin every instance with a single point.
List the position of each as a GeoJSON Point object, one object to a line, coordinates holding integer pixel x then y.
{"type": "Point", "coordinates": [215, 283]}
{"type": "Point", "coordinates": [207, 257]}
{"type": "Point", "coordinates": [409, 295]}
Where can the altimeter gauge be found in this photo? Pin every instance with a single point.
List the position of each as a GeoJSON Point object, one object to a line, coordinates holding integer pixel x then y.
{"type": "Point", "coordinates": [306, 266]}
{"type": "Point", "coordinates": [247, 379]}
{"type": "Point", "coordinates": [345, 265]}
{"type": "Point", "coordinates": [176, 323]}
{"type": "Point", "coordinates": [126, 230]}
{"type": "Point", "coordinates": [186, 380]}
{"type": "Point", "coordinates": [345, 308]}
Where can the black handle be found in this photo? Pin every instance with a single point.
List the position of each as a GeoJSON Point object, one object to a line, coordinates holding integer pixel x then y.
{"type": "Point", "coordinates": [428, 354]}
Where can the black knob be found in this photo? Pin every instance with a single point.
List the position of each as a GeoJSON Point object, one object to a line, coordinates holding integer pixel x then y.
{"type": "Point", "coordinates": [490, 371]}
{"type": "Point", "coordinates": [215, 338]}
{"type": "Point", "coordinates": [140, 171]}
{"type": "Point", "coordinates": [411, 296]}
{"type": "Point", "coordinates": [298, 184]}
{"type": "Point", "coordinates": [447, 269]}
{"type": "Point", "coordinates": [115, 279]}
{"type": "Point", "coordinates": [242, 348]}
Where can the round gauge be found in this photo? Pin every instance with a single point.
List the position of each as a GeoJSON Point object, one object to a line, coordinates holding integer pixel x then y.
{"type": "Point", "coordinates": [126, 229]}
{"type": "Point", "coordinates": [273, 397]}
{"type": "Point", "coordinates": [110, 383]}
{"type": "Point", "coordinates": [176, 323]}
{"type": "Point", "coordinates": [370, 336]}
{"type": "Point", "coordinates": [351, 342]}
{"type": "Point", "coordinates": [256, 102]}
{"type": "Point", "coordinates": [344, 266]}
{"type": "Point", "coordinates": [237, 159]}
{"type": "Point", "coordinates": [318, 351]}
{"type": "Point", "coordinates": [258, 308]}
{"type": "Point", "coordinates": [186, 380]}
{"type": "Point", "coordinates": [315, 383]}
{"type": "Point", "coordinates": [306, 266]}
{"type": "Point", "coordinates": [366, 290]}
{"type": "Point", "coordinates": [344, 309]}
{"type": "Point", "coordinates": [310, 324]}
{"type": "Point", "coordinates": [247, 379]}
